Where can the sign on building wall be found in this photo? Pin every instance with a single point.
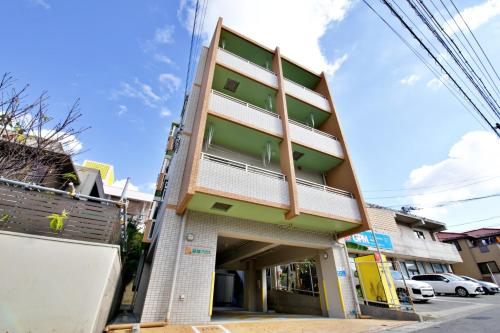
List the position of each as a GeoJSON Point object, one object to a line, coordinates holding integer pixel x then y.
{"type": "Point", "coordinates": [196, 250]}
{"type": "Point", "coordinates": [365, 238]}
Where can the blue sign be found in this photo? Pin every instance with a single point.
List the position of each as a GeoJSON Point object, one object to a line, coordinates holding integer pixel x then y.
{"type": "Point", "coordinates": [341, 272]}
{"type": "Point", "coordinates": [365, 238]}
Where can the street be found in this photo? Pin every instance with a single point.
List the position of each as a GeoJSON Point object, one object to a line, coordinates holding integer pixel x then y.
{"type": "Point", "coordinates": [485, 321]}
{"type": "Point", "coordinates": [456, 314]}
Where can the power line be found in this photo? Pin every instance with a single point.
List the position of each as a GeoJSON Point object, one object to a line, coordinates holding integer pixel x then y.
{"type": "Point", "coordinates": [437, 185]}
{"type": "Point", "coordinates": [449, 46]}
{"type": "Point", "coordinates": [448, 203]}
{"type": "Point", "coordinates": [429, 66]}
{"type": "Point", "coordinates": [432, 192]}
{"type": "Point", "coordinates": [471, 222]}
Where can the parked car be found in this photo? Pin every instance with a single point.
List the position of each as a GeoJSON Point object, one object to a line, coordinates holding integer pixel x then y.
{"type": "Point", "coordinates": [451, 284]}
{"type": "Point", "coordinates": [419, 291]}
{"type": "Point", "coordinates": [488, 287]}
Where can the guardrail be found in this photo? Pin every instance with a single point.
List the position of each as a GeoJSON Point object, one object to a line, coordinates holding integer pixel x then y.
{"type": "Point", "coordinates": [324, 188]}
{"type": "Point", "coordinates": [312, 129]}
{"type": "Point", "coordinates": [243, 166]}
{"type": "Point", "coordinates": [248, 105]}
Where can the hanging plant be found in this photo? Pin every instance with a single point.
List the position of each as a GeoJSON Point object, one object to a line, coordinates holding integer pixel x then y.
{"type": "Point", "coordinates": [57, 220]}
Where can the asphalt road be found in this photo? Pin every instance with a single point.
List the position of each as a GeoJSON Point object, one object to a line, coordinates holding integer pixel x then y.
{"type": "Point", "coordinates": [451, 314]}
{"type": "Point", "coordinates": [485, 321]}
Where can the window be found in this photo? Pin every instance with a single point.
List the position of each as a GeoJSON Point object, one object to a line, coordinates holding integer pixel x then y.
{"type": "Point", "coordinates": [483, 267]}
{"type": "Point", "coordinates": [422, 277]}
{"type": "Point", "coordinates": [37, 174]}
{"type": "Point", "coordinates": [420, 266]}
{"type": "Point", "coordinates": [411, 266]}
{"type": "Point", "coordinates": [438, 268]}
{"type": "Point", "coordinates": [428, 267]}
{"type": "Point", "coordinates": [419, 234]}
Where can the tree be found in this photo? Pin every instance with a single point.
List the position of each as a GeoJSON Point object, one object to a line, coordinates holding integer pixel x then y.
{"type": "Point", "coordinates": [31, 141]}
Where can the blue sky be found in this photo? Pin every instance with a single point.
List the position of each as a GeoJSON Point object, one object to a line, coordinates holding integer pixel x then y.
{"type": "Point", "coordinates": [126, 61]}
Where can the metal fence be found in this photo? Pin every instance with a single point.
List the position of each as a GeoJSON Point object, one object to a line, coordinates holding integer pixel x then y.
{"type": "Point", "coordinates": [26, 211]}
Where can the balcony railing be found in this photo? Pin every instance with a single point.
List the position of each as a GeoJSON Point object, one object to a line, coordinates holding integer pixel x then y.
{"type": "Point", "coordinates": [327, 200]}
{"type": "Point", "coordinates": [246, 113]}
{"type": "Point", "coordinates": [310, 96]}
{"type": "Point", "coordinates": [247, 67]}
{"type": "Point", "coordinates": [314, 138]}
{"type": "Point", "coordinates": [242, 179]}
{"type": "Point", "coordinates": [324, 187]}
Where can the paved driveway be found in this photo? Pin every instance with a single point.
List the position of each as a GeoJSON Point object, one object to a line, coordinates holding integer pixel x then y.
{"type": "Point", "coordinates": [444, 306]}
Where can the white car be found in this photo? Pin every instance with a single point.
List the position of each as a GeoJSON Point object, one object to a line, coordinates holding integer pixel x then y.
{"type": "Point", "coordinates": [419, 291]}
{"type": "Point", "coordinates": [488, 287]}
{"type": "Point", "coordinates": [450, 284]}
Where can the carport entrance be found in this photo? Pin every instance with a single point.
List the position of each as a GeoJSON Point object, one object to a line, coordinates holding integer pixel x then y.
{"type": "Point", "coordinates": [254, 277]}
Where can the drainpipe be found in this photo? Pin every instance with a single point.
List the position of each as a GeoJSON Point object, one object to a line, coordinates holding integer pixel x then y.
{"type": "Point", "coordinates": [176, 266]}
{"type": "Point", "coordinates": [351, 279]}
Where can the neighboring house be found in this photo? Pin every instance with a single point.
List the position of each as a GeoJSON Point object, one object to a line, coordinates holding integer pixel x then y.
{"type": "Point", "coordinates": [55, 168]}
{"type": "Point", "coordinates": [102, 176]}
{"type": "Point", "coordinates": [107, 171]}
{"type": "Point", "coordinates": [139, 203]}
{"type": "Point", "coordinates": [259, 175]}
{"type": "Point", "coordinates": [406, 238]}
{"type": "Point", "coordinates": [480, 252]}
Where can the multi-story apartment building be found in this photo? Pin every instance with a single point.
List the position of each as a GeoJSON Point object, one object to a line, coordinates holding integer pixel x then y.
{"type": "Point", "coordinates": [409, 239]}
{"type": "Point", "coordinates": [258, 174]}
{"type": "Point", "coordinates": [480, 252]}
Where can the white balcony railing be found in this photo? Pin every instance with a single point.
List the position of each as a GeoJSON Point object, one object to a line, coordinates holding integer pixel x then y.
{"type": "Point", "coordinates": [241, 179]}
{"type": "Point", "coordinates": [255, 71]}
{"type": "Point", "coordinates": [412, 247]}
{"type": "Point", "coordinates": [307, 95]}
{"type": "Point", "coordinates": [321, 141]}
{"type": "Point", "coordinates": [244, 112]}
{"type": "Point", "coordinates": [327, 200]}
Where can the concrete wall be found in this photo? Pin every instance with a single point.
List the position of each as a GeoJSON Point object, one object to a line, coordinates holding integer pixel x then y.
{"type": "Point", "coordinates": [287, 302]}
{"type": "Point", "coordinates": [406, 244]}
{"type": "Point", "coordinates": [55, 285]}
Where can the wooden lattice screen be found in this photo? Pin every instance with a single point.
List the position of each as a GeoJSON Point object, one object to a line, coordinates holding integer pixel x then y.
{"type": "Point", "coordinates": [25, 211]}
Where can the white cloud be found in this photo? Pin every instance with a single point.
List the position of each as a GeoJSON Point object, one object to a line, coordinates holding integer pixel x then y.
{"type": "Point", "coordinates": [165, 112]}
{"type": "Point", "coordinates": [436, 83]}
{"type": "Point", "coordinates": [475, 16]}
{"type": "Point", "coordinates": [122, 109]}
{"type": "Point", "coordinates": [163, 58]}
{"type": "Point", "coordinates": [475, 156]}
{"type": "Point", "coordinates": [70, 143]}
{"type": "Point", "coordinates": [331, 70]}
{"type": "Point", "coordinates": [138, 90]}
{"type": "Point", "coordinates": [297, 28]}
{"type": "Point", "coordinates": [410, 80]}
{"type": "Point", "coordinates": [171, 81]}
{"type": "Point", "coordinates": [165, 35]}
{"type": "Point", "coordinates": [121, 184]}
{"type": "Point", "coordinates": [41, 3]}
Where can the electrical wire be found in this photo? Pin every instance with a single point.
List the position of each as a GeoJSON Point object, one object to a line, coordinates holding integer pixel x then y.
{"type": "Point", "coordinates": [432, 192]}
{"type": "Point", "coordinates": [433, 25]}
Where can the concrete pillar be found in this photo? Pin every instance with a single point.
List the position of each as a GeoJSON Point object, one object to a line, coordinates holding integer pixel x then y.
{"type": "Point", "coordinates": [331, 294]}
{"type": "Point", "coordinates": [274, 278]}
{"type": "Point", "coordinates": [321, 288]}
{"type": "Point", "coordinates": [263, 285]}
{"type": "Point", "coordinates": [250, 287]}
